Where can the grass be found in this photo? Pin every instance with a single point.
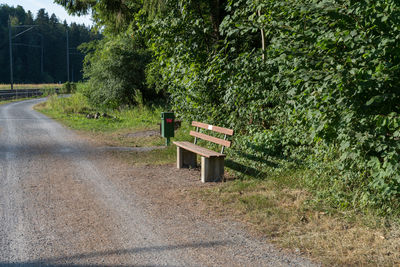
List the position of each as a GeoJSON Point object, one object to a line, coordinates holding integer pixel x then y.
{"type": "Point", "coordinates": [289, 216]}
{"type": "Point", "coordinates": [114, 130]}
{"type": "Point", "coordinates": [30, 86]}
{"type": "Point", "coordinates": [277, 205]}
{"type": "Point", "coordinates": [73, 111]}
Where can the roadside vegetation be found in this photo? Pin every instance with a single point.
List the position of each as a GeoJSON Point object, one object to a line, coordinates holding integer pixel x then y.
{"type": "Point", "coordinates": [310, 88]}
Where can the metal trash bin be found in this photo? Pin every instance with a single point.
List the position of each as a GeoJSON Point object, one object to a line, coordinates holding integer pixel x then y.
{"type": "Point", "coordinates": [167, 125]}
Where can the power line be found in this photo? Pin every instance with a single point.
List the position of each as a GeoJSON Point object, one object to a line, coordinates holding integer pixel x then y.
{"type": "Point", "coordinates": [15, 36]}
{"type": "Point", "coordinates": [10, 37]}
{"type": "Point", "coordinates": [11, 59]}
{"type": "Point", "coordinates": [67, 55]}
{"type": "Point", "coordinates": [28, 45]}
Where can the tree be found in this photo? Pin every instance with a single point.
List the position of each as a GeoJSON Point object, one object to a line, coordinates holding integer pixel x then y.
{"type": "Point", "coordinates": [27, 47]}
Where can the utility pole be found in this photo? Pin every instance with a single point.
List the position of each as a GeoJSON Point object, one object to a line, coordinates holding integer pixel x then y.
{"type": "Point", "coordinates": [11, 57]}
{"type": "Point", "coordinates": [67, 56]}
{"type": "Point", "coordinates": [41, 56]}
{"type": "Point", "coordinates": [10, 37]}
{"type": "Point", "coordinates": [74, 52]}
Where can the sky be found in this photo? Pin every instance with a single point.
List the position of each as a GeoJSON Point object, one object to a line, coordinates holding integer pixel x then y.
{"type": "Point", "coordinates": [35, 5]}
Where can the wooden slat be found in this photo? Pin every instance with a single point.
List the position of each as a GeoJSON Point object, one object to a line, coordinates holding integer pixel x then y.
{"type": "Point", "coordinates": [212, 128]}
{"type": "Point", "coordinates": [211, 138]}
{"type": "Point", "coordinates": [198, 149]}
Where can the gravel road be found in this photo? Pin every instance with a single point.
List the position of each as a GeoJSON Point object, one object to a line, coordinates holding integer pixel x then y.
{"type": "Point", "coordinates": [66, 202]}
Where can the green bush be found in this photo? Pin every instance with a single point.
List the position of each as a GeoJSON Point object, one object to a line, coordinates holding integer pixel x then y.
{"type": "Point", "coordinates": [116, 73]}
{"type": "Point", "coordinates": [68, 88]}
{"type": "Point", "coordinates": [77, 103]}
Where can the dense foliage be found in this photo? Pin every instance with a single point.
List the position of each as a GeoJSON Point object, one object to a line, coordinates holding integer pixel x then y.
{"type": "Point", "coordinates": [27, 48]}
{"type": "Point", "coordinates": [305, 83]}
{"type": "Point", "coordinates": [115, 73]}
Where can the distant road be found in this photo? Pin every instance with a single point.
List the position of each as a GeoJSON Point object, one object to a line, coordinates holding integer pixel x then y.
{"type": "Point", "coordinates": [62, 203]}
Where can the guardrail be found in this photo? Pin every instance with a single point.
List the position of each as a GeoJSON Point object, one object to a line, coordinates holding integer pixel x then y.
{"type": "Point", "coordinates": [23, 93]}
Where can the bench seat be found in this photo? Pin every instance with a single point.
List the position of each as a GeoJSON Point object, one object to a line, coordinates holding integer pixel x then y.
{"type": "Point", "coordinates": [204, 152]}
{"type": "Point", "coordinates": [212, 163]}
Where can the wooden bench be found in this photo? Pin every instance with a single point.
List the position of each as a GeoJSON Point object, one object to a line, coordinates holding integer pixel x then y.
{"type": "Point", "coordinates": [212, 163]}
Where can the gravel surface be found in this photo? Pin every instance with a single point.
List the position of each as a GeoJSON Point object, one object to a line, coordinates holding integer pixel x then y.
{"type": "Point", "coordinates": [66, 201]}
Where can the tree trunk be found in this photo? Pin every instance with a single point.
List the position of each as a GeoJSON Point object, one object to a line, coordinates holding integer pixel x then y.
{"type": "Point", "coordinates": [217, 14]}
{"type": "Point", "coordinates": [262, 37]}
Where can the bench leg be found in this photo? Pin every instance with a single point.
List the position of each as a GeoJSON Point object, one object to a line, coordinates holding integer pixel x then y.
{"type": "Point", "coordinates": [185, 158]}
{"type": "Point", "coordinates": [212, 169]}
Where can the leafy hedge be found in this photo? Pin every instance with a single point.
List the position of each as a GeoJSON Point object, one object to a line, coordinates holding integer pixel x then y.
{"type": "Point", "coordinates": [326, 96]}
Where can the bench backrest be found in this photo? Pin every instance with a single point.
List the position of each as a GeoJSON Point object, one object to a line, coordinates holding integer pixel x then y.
{"type": "Point", "coordinates": [223, 142]}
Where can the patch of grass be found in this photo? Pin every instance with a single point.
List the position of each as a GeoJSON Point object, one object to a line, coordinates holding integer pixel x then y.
{"type": "Point", "coordinates": [115, 129]}
{"type": "Point", "coordinates": [30, 86]}
{"type": "Point", "coordinates": [290, 217]}
{"type": "Point", "coordinates": [73, 111]}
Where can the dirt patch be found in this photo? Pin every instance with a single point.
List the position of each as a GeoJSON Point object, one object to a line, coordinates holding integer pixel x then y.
{"type": "Point", "coordinates": [68, 218]}
{"type": "Point", "coordinates": [131, 149]}
{"type": "Point", "coordinates": [148, 133]}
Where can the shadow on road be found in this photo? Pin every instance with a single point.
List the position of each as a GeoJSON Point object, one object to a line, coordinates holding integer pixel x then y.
{"type": "Point", "coordinates": [76, 150]}
{"type": "Point", "coordinates": [66, 260]}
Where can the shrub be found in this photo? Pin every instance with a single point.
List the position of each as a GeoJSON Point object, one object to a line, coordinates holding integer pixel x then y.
{"type": "Point", "coordinates": [68, 88]}
{"type": "Point", "coordinates": [116, 73]}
